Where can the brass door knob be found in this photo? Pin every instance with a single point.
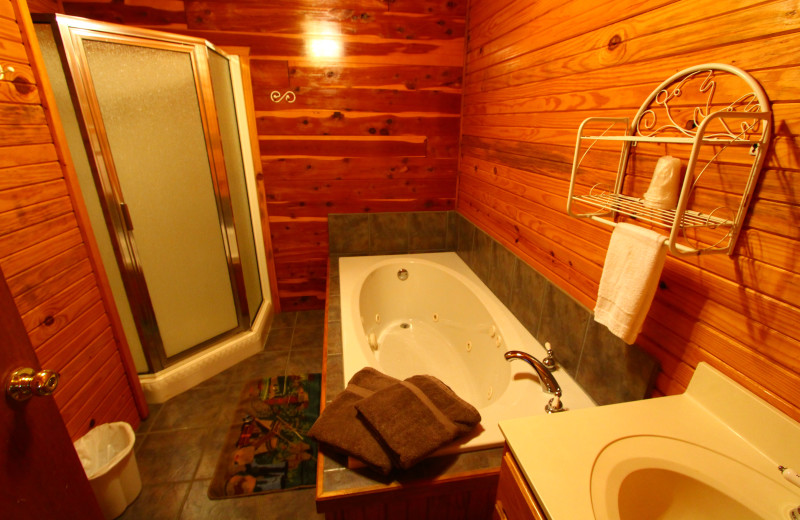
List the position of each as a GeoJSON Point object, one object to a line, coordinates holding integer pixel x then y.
{"type": "Point", "coordinates": [26, 382]}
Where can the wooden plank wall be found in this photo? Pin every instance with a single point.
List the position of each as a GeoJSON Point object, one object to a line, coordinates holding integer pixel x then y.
{"type": "Point", "coordinates": [536, 69]}
{"type": "Point", "coordinates": [44, 256]}
{"type": "Point", "coordinates": [375, 122]}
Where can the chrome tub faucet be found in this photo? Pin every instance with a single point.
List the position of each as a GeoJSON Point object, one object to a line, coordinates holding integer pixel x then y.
{"type": "Point", "coordinates": [546, 379]}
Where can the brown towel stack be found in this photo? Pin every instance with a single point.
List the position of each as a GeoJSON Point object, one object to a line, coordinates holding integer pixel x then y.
{"type": "Point", "coordinates": [385, 422]}
{"type": "Point", "coordinates": [415, 417]}
{"type": "Point", "coordinates": [339, 426]}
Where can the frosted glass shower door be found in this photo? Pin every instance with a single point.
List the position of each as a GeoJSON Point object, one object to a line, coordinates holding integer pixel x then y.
{"type": "Point", "coordinates": [225, 102]}
{"type": "Point", "coordinates": [157, 173]}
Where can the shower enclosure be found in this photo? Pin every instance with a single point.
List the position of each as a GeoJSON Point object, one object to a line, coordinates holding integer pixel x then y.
{"type": "Point", "coordinates": [156, 134]}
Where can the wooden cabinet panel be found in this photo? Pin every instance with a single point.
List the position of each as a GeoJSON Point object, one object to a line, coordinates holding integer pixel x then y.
{"type": "Point", "coordinates": [515, 500]}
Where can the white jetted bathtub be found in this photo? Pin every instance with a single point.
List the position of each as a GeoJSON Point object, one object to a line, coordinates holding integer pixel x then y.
{"type": "Point", "coordinates": [430, 314]}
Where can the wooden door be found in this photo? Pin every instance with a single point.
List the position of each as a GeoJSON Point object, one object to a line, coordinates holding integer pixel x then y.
{"type": "Point", "coordinates": [42, 476]}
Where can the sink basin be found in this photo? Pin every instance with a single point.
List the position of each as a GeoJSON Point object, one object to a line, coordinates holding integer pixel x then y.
{"type": "Point", "coordinates": [645, 477]}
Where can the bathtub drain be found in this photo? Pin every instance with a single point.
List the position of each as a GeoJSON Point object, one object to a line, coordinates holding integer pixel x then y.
{"type": "Point", "coordinates": [405, 326]}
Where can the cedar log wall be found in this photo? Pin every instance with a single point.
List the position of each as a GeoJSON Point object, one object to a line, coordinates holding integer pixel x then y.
{"type": "Point", "coordinates": [373, 130]}
{"type": "Point", "coordinates": [45, 257]}
{"type": "Point", "coordinates": [536, 69]}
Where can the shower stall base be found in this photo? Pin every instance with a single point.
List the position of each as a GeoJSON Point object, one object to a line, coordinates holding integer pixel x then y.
{"type": "Point", "coordinates": [165, 384]}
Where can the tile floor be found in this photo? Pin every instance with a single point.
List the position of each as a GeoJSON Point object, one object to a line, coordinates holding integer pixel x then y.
{"type": "Point", "coordinates": [178, 445]}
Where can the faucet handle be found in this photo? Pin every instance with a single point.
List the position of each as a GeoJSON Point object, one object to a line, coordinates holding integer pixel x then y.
{"type": "Point", "coordinates": [555, 405]}
{"type": "Point", "coordinates": [550, 361]}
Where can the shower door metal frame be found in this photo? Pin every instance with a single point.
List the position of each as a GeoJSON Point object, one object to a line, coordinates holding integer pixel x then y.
{"type": "Point", "coordinates": [70, 33]}
{"type": "Point", "coordinates": [238, 110]}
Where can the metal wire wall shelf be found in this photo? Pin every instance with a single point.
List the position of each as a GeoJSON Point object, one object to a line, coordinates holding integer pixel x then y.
{"type": "Point", "coordinates": [737, 121]}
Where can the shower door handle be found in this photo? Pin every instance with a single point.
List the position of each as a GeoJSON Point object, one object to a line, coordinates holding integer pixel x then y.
{"type": "Point", "coordinates": [126, 216]}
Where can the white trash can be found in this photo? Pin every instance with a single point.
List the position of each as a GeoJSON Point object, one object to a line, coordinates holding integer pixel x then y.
{"type": "Point", "coordinates": [106, 453]}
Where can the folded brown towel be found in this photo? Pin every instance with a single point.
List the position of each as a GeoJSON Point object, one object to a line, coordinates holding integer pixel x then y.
{"type": "Point", "coordinates": [339, 425]}
{"type": "Point", "coordinates": [415, 417]}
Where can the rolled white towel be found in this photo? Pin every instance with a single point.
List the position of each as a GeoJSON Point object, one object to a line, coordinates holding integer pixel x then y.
{"type": "Point", "coordinates": [664, 186]}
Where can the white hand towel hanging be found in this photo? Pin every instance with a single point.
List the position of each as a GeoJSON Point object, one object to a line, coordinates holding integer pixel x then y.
{"type": "Point", "coordinates": [629, 281]}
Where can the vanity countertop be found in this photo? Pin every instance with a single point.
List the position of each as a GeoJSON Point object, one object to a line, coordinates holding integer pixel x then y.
{"type": "Point", "coordinates": [557, 452]}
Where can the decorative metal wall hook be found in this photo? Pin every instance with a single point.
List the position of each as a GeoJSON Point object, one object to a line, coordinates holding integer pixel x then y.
{"type": "Point", "coordinates": [3, 71]}
{"type": "Point", "coordinates": [277, 97]}
{"type": "Point", "coordinates": [648, 125]}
